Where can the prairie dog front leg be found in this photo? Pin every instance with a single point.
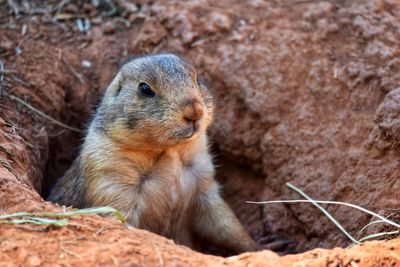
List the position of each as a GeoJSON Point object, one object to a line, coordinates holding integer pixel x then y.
{"type": "Point", "coordinates": [215, 222]}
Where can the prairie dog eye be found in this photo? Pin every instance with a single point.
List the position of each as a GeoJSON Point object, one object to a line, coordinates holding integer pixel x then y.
{"type": "Point", "coordinates": [145, 90]}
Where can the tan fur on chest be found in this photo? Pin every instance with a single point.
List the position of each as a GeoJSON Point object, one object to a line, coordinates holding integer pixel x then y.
{"type": "Point", "coordinates": [154, 190]}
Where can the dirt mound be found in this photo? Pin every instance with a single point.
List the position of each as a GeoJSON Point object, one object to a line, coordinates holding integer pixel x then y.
{"type": "Point", "coordinates": [306, 93]}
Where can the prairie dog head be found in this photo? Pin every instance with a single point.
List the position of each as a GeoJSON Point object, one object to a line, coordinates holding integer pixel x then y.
{"type": "Point", "coordinates": [155, 100]}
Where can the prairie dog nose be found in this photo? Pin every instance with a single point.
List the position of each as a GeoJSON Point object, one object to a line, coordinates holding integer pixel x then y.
{"type": "Point", "coordinates": [193, 110]}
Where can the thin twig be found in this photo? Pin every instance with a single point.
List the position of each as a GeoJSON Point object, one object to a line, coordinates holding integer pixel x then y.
{"type": "Point", "coordinates": [330, 202]}
{"type": "Point", "coordinates": [21, 81]}
{"type": "Point", "coordinates": [101, 229]}
{"type": "Point", "coordinates": [73, 71]}
{"type": "Point", "coordinates": [72, 253]}
{"type": "Point", "coordinates": [5, 71]}
{"type": "Point", "coordinates": [315, 202]}
{"type": "Point", "coordinates": [324, 211]}
{"type": "Point", "coordinates": [378, 235]}
{"type": "Point", "coordinates": [22, 102]}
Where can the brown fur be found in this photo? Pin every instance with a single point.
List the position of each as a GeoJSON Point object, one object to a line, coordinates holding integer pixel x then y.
{"type": "Point", "coordinates": [148, 157]}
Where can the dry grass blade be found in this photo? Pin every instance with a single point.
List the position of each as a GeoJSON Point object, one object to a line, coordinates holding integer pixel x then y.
{"type": "Point", "coordinates": [22, 102]}
{"type": "Point", "coordinates": [316, 202]}
{"type": "Point", "coordinates": [88, 211]}
{"type": "Point", "coordinates": [79, 76]}
{"type": "Point", "coordinates": [6, 71]}
{"type": "Point", "coordinates": [371, 223]}
{"type": "Point", "coordinates": [324, 211]}
{"type": "Point", "coordinates": [372, 236]}
{"type": "Point", "coordinates": [39, 217]}
{"type": "Point", "coordinates": [383, 219]}
{"type": "Point", "coordinates": [34, 220]}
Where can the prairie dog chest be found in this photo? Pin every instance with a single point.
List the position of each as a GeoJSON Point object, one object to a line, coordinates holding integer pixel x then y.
{"type": "Point", "coordinates": [164, 204]}
{"type": "Point", "coordinates": [176, 174]}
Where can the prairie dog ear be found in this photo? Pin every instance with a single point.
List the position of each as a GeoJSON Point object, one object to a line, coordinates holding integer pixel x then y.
{"type": "Point", "coordinates": [115, 86]}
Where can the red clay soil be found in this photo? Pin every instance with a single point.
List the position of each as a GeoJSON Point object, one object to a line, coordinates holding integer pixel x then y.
{"type": "Point", "coordinates": [307, 92]}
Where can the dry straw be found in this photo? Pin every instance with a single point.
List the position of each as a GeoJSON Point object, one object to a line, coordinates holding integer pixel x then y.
{"type": "Point", "coordinates": [334, 221]}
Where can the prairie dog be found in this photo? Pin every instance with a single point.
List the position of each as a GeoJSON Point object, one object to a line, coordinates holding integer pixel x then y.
{"type": "Point", "coordinates": [146, 154]}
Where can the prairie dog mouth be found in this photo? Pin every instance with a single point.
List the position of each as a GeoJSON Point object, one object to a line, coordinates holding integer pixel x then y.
{"type": "Point", "coordinates": [187, 132]}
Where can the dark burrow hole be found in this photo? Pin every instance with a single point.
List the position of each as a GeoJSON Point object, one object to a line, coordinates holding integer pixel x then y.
{"type": "Point", "coordinates": [238, 183]}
